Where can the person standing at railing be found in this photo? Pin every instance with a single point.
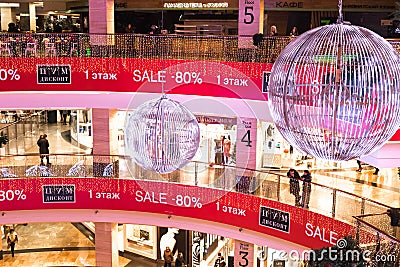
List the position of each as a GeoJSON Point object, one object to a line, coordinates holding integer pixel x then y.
{"type": "Point", "coordinates": [294, 185]}
{"type": "Point", "coordinates": [12, 28]}
{"type": "Point", "coordinates": [305, 199]}
{"type": "Point", "coordinates": [64, 114]}
{"type": "Point", "coordinates": [359, 165]}
{"type": "Point", "coordinates": [273, 31]}
{"type": "Point", "coordinates": [129, 28]}
{"type": "Point", "coordinates": [272, 34]}
{"type": "Point", "coordinates": [43, 145]}
{"type": "Point", "coordinates": [294, 32]}
{"type": "Point", "coordinates": [154, 29]}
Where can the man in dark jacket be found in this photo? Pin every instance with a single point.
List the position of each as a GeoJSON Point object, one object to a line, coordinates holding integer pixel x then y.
{"type": "Point", "coordinates": [43, 145]}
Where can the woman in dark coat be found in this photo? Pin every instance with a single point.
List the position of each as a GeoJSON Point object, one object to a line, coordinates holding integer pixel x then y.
{"type": "Point", "coordinates": [294, 185]}
{"type": "Point", "coordinates": [43, 145]}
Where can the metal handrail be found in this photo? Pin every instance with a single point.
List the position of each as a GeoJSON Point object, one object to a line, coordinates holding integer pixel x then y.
{"type": "Point", "coordinates": [87, 165]}
{"type": "Point", "coordinates": [275, 183]}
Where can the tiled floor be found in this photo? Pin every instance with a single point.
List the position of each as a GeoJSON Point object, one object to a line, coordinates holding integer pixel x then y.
{"type": "Point", "coordinates": [61, 244]}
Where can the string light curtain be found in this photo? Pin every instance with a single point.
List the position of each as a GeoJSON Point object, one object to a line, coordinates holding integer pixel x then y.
{"type": "Point", "coordinates": [334, 91]}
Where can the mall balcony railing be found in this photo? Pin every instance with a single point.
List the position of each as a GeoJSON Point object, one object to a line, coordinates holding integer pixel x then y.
{"type": "Point", "coordinates": [332, 202]}
{"type": "Point", "coordinates": [171, 46]}
{"type": "Point", "coordinates": [373, 233]}
{"type": "Point", "coordinates": [383, 245]}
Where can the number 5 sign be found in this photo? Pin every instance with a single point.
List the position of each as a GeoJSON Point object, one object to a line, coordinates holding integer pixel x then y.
{"type": "Point", "coordinates": [244, 254]}
{"type": "Point", "coordinates": [251, 16]}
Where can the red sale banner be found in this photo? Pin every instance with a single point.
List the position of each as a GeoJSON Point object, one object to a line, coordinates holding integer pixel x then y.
{"type": "Point", "coordinates": [204, 78]}
{"type": "Point", "coordinates": [230, 208]}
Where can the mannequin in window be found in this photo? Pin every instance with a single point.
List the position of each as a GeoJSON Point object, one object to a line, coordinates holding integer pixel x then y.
{"type": "Point", "coordinates": [219, 150]}
{"type": "Point", "coordinates": [227, 150]}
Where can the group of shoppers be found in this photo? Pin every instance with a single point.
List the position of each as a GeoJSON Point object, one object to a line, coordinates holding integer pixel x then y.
{"type": "Point", "coordinates": [169, 258]}
{"type": "Point", "coordinates": [302, 200]}
{"type": "Point", "coordinates": [220, 261]}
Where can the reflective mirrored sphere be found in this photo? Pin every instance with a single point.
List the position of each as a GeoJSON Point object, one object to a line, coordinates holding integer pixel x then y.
{"type": "Point", "coordinates": [162, 135]}
{"type": "Point", "coordinates": [334, 92]}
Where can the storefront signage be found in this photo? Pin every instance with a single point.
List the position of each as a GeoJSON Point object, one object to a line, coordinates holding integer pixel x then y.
{"type": "Point", "coordinates": [54, 74]}
{"type": "Point", "coordinates": [289, 4]}
{"type": "Point", "coordinates": [265, 81]}
{"type": "Point", "coordinates": [58, 193]}
{"type": "Point", "coordinates": [196, 5]}
{"type": "Point", "coordinates": [369, 6]}
{"type": "Point", "coordinates": [276, 219]}
{"type": "Point", "coordinates": [215, 120]}
{"type": "Point", "coordinates": [279, 263]}
{"type": "Point", "coordinates": [151, 197]}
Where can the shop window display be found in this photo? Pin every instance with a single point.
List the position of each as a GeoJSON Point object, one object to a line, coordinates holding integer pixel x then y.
{"type": "Point", "coordinates": [141, 239]}
{"type": "Point", "coordinates": [271, 146]}
{"type": "Point", "coordinates": [276, 152]}
{"type": "Point", "coordinates": [218, 136]}
{"type": "Point", "coordinates": [81, 127]}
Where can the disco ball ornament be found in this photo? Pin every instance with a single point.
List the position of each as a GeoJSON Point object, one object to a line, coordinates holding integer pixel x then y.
{"type": "Point", "coordinates": [162, 135]}
{"type": "Point", "coordinates": [334, 92]}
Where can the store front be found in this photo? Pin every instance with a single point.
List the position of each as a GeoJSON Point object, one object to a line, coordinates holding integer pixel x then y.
{"type": "Point", "coordinates": [141, 240]}
{"type": "Point", "coordinates": [81, 127]}
{"type": "Point", "coordinates": [218, 140]}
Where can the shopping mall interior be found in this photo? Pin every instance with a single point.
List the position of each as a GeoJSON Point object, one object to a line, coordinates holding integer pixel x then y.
{"type": "Point", "coordinates": [114, 190]}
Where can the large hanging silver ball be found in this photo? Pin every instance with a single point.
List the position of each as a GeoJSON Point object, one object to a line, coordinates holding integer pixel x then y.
{"type": "Point", "coordinates": [162, 135]}
{"type": "Point", "coordinates": [334, 92]}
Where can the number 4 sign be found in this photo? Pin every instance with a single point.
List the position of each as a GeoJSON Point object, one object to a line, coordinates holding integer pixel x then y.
{"type": "Point", "coordinates": [244, 254]}
{"type": "Point", "coordinates": [246, 143]}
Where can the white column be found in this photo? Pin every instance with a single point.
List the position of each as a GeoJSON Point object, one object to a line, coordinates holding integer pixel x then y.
{"type": "Point", "coordinates": [32, 17]}
{"type": "Point", "coordinates": [6, 17]}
